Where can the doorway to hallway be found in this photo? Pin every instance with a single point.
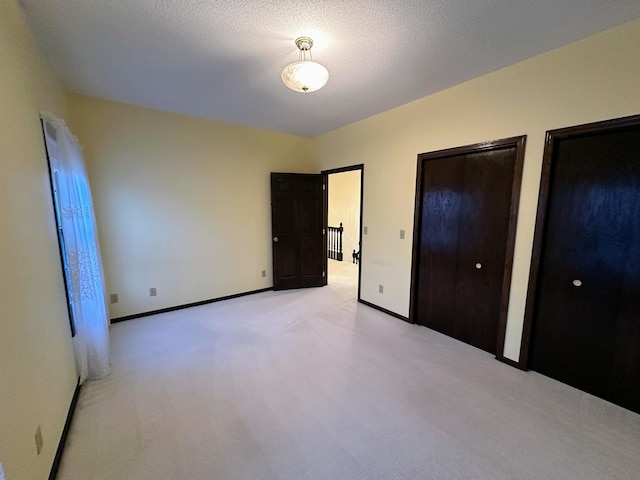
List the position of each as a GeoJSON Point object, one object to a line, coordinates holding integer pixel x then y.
{"type": "Point", "coordinates": [344, 220]}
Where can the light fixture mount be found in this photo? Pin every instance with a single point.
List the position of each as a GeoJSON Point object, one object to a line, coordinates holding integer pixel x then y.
{"type": "Point", "coordinates": [304, 43]}
{"type": "Point", "coordinates": [304, 75]}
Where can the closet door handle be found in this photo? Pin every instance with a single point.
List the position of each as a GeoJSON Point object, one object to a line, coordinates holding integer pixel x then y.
{"type": "Point", "coordinates": [275, 239]}
{"type": "Point", "coordinates": [577, 283]}
{"type": "Point", "coordinates": [478, 265]}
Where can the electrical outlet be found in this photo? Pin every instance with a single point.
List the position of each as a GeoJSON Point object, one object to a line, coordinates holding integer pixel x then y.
{"type": "Point", "coordinates": [401, 234]}
{"type": "Point", "coordinates": [153, 292]}
{"type": "Point", "coordinates": [380, 288]}
{"type": "Point", "coordinates": [365, 230]}
{"type": "Point", "coordinates": [263, 273]}
{"type": "Point", "coordinates": [39, 441]}
{"type": "Point", "coordinates": [114, 298]}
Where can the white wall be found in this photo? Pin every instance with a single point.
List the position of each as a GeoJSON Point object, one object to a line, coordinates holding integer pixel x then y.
{"type": "Point", "coordinates": [182, 204]}
{"type": "Point", "coordinates": [37, 369]}
{"type": "Point", "coordinates": [595, 79]}
{"type": "Point", "coordinates": [344, 206]}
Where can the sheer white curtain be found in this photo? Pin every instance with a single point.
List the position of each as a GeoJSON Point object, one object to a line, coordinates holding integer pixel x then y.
{"type": "Point", "coordinates": [80, 247]}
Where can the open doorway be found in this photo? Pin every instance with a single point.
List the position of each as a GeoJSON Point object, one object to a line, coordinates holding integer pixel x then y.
{"type": "Point", "coordinates": [344, 226]}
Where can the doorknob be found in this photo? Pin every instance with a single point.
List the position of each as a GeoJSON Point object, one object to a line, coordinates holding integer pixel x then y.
{"type": "Point", "coordinates": [478, 266]}
{"type": "Point", "coordinates": [577, 283]}
{"type": "Point", "coordinates": [275, 239]}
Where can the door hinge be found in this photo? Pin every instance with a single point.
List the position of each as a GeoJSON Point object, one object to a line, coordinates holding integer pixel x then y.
{"type": "Point", "coordinates": [324, 186]}
{"type": "Point", "coordinates": [323, 274]}
{"type": "Point", "coordinates": [324, 232]}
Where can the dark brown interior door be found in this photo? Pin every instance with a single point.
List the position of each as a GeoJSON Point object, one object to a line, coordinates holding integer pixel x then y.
{"type": "Point", "coordinates": [297, 219]}
{"type": "Point", "coordinates": [586, 329]}
{"type": "Point", "coordinates": [465, 240]}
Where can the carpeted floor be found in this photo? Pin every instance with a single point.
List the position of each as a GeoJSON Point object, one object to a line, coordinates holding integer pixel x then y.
{"type": "Point", "coordinates": [309, 384]}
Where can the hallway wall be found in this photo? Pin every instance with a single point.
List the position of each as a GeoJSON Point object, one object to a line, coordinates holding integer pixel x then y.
{"type": "Point", "coordinates": [344, 206]}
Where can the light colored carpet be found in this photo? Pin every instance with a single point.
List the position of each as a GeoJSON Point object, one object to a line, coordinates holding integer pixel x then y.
{"type": "Point", "coordinates": [309, 384]}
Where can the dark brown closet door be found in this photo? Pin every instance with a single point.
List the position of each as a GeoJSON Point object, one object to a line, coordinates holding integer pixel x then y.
{"type": "Point", "coordinates": [586, 330]}
{"type": "Point", "coordinates": [465, 227]}
{"type": "Point", "coordinates": [442, 182]}
{"type": "Point", "coordinates": [482, 246]}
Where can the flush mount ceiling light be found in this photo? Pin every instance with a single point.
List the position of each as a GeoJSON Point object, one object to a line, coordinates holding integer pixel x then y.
{"type": "Point", "coordinates": [304, 75]}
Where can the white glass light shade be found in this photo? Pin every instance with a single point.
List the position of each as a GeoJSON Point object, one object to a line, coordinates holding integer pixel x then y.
{"type": "Point", "coordinates": [305, 76]}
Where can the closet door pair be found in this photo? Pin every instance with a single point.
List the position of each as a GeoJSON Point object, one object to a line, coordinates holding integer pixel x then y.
{"type": "Point", "coordinates": [583, 312]}
{"type": "Point", "coordinates": [466, 207]}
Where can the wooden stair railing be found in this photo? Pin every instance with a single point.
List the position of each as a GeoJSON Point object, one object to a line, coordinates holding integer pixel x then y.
{"type": "Point", "coordinates": [334, 242]}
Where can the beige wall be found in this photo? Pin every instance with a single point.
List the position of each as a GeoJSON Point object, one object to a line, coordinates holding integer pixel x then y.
{"type": "Point", "coordinates": [595, 79]}
{"type": "Point", "coordinates": [37, 370]}
{"type": "Point", "coordinates": [344, 206]}
{"type": "Point", "coordinates": [182, 204]}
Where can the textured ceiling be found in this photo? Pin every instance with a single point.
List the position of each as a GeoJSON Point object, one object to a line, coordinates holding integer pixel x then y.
{"type": "Point", "coordinates": [222, 59]}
